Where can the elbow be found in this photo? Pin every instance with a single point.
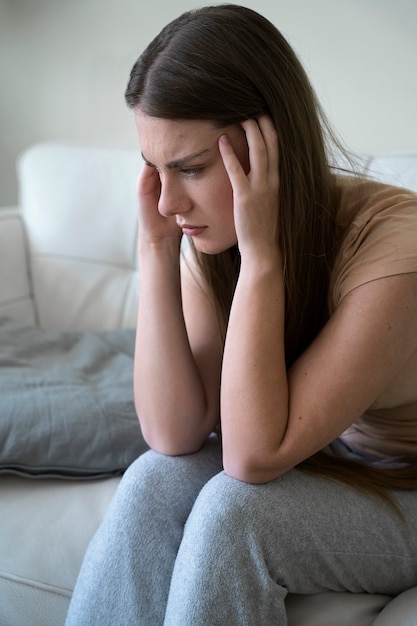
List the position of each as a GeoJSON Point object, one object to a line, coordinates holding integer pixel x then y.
{"type": "Point", "coordinates": [164, 440]}
{"type": "Point", "coordinates": [169, 445]}
{"type": "Point", "coordinates": [168, 440]}
{"type": "Point", "coordinates": [253, 471]}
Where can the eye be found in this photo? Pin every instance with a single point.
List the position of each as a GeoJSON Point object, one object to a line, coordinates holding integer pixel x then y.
{"type": "Point", "coordinates": [191, 171]}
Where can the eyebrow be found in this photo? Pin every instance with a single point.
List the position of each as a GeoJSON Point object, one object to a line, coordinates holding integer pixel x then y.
{"type": "Point", "coordinates": [178, 162]}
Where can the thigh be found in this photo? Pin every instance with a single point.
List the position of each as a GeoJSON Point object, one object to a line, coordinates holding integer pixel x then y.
{"type": "Point", "coordinates": [127, 569]}
{"type": "Point", "coordinates": [313, 533]}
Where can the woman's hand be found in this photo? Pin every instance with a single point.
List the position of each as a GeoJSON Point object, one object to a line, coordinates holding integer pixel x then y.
{"type": "Point", "coordinates": [153, 227]}
{"type": "Point", "coordinates": [255, 194]}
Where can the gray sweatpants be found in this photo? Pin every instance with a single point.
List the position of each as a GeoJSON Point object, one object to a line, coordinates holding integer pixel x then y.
{"type": "Point", "coordinates": [183, 544]}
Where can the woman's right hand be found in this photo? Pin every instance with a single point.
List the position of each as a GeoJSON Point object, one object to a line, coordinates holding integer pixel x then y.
{"type": "Point", "coordinates": [154, 228]}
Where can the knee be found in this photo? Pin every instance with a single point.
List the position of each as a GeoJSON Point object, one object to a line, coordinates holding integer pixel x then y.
{"type": "Point", "coordinates": [168, 483]}
{"type": "Point", "coordinates": [138, 479]}
{"type": "Point", "coordinates": [160, 469]}
{"type": "Point", "coordinates": [222, 507]}
{"type": "Point", "coordinates": [229, 508]}
{"type": "Point", "coordinates": [150, 477]}
{"type": "Point", "coordinates": [148, 465]}
{"type": "Point", "coordinates": [153, 476]}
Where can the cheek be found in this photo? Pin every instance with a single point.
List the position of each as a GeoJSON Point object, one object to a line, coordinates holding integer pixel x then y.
{"type": "Point", "coordinates": [219, 196]}
{"type": "Point", "coordinates": [218, 189]}
{"type": "Point", "coordinates": [224, 197]}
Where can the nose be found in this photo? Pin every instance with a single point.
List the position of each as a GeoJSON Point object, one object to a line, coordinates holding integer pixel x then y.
{"type": "Point", "coordinates": [173, 199]}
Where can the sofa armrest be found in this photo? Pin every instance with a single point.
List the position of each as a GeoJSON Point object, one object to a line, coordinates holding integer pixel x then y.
{"type": "Point", "coordinates": [15, 287]}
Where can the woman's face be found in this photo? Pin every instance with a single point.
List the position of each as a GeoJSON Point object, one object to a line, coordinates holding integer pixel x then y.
{"type": "Point", "coordinates": [195, 187]}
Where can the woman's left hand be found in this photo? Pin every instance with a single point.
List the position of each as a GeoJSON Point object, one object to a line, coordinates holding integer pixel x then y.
{"type": "Point", "coordinates": [255, 194]}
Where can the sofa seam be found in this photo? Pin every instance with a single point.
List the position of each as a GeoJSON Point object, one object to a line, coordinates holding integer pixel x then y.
{"type": "Point", "coordinates": [28, 582]}
{"type": "Point", "coordinates": [90, 261]}
{"type": "Point", "coordinates": [25, 298]}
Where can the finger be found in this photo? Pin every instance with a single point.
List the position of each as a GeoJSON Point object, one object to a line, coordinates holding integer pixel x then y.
{"type": "Point", "coordinates": [148, 181]}
{"type": "Point", "coordinates": [258, 155]}
{"type": "Point", "coordinates": [270, 137]}
{"type": "Point", "coordinates": [231, 163]}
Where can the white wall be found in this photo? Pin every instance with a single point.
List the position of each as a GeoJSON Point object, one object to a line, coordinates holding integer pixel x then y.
{"type": "Point", "coordinates": [64, 65]}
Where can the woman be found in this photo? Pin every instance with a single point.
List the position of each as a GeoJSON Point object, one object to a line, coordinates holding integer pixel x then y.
{"type": "Point", "coordinates": [289, 328]}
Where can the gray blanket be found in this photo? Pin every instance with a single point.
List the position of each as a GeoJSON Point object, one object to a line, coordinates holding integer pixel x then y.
{"type": "Point", "coordinates": [66, 402]}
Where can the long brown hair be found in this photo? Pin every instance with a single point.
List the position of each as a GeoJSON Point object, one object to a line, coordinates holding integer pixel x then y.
{"type": "Point", "coordinates": [226, 64]}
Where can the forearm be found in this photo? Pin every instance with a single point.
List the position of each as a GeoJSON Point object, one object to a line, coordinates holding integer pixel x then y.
{"type": "Point", "coordinates": [169, 395]}
{"type": "Point", "coordinates": [254, 392]}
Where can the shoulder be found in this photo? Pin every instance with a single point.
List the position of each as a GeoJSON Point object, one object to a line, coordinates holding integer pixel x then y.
{"type": "Point", "coordinates": [361, 199]}
{"type": "Point", "coordinates": [378, 223]}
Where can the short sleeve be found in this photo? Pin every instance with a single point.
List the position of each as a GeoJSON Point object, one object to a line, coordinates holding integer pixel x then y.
{"type": "Point", "coordinates": [380, 241]}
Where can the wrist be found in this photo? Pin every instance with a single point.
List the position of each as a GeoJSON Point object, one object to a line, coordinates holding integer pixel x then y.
{"type": "Point", "coordinates": [262, 260]}
{"type": "Point", "coordinates": [167, 247]}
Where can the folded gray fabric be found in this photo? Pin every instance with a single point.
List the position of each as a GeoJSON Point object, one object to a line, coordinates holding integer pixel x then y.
{"type": "Point", "coordinates": [66, 402]}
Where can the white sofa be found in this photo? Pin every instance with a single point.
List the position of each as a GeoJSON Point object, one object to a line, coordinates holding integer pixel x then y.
{"type": "Point", "coordinates": [68, 262]}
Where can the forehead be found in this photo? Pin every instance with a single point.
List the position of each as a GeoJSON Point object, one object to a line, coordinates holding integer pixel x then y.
{"type": "Point", "coordinates": [168, 139]}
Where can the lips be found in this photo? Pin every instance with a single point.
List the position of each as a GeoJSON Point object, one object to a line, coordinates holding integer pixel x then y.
{"type": "Point", "coordinates": [190, 230]}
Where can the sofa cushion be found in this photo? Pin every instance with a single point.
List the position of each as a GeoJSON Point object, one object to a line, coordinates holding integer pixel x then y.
{"type": "Point", "coordinates": [67, 402]}
{"type": "Point", "coordinates": [50, 522]}
{"type": "Point", "coordinates": [331, 608]}
{"type": "Point", "coordinates": [401, 611]}
{"type": "Point", "coordinates": [45, 527]}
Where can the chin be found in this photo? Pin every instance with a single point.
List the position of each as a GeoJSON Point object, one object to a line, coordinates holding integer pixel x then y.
{"type": "Point", "coordinates": [212, 247]}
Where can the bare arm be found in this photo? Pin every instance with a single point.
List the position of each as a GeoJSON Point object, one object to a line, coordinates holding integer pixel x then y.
{"type": "Point", "coordinates": [271, 419]}
{"type": "Point", "coordinates": [175, 411]}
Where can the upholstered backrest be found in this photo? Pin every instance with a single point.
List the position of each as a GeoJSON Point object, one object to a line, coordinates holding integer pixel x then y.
{"type": "Point", "coordinates": [79, 208]}
{"type": "Point", "coordinates": [396, 169]}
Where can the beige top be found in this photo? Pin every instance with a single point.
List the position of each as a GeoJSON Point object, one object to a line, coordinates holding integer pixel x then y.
{"type": "Point", "coordinates": [380, 240]}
